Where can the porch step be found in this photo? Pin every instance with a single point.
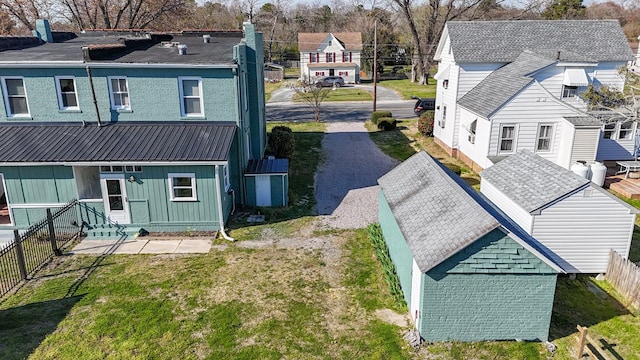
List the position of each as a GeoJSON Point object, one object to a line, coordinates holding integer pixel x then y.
{"type": "Point", "coordinates": [625, 188]}
{"type": "Point", "coordinates": [110, 231]}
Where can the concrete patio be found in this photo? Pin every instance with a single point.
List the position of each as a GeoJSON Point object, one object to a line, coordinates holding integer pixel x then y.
{"type": "Point", "coordinates": [143, 246]}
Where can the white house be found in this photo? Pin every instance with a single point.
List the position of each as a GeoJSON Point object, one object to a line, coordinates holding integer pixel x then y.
{"type": "Point", "coordinates": [330, 54]}
{"type": "Point", "coordinates": [574, 218]}
{"type": "Point", "coordinates": [503, 86]}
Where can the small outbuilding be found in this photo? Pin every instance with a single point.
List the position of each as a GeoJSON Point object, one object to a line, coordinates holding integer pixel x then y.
{"type": "Point", "coordinates": [573, 217]}
{"type": "Point", "coordinates": [467, 273]}
{"type": "Point", "coordinates": [267, 182]}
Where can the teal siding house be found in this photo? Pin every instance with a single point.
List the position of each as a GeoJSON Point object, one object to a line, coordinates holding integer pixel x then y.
{"type": "Point", "coordinates": [467, 272]}
{"type": "Point", "coordinates": [148, 131]}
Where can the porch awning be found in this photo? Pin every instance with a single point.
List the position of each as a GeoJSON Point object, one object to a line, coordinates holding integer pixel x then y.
{"type": "Point", "coordinates": [442, 74]}
{"type": "Point", "coordinates": [117, 142]}
{"type": "Point", "coordinates": [575, 77]}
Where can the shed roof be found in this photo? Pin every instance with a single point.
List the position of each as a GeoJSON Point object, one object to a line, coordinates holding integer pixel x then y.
{"type": "Point", "coordinates": [116, 142]}
{"type": "Point", "coordinates": [312, 41]}
{"type": "Point", "coordinates": [501, 85]}
{"type": "Point", "coordinates": [440, 215]}
{"type": "Point", "coordinates": [503, 41]}
{"type": "Point", "coordinates": [584, 121]}
{"type": "Point", "coordinates": [531, 181]}
{"type": "Point", "coordinates": [267, 166]}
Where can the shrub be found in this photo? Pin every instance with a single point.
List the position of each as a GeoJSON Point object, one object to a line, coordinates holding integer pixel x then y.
{"type": "Point", "coordinates": [386, 123]}
{"type": "Point", "coordinates": [376, 115]}
{"type": "Point", "coordinates": [281, 142]}
{"type": "Point", "coordinates": [425, 123]}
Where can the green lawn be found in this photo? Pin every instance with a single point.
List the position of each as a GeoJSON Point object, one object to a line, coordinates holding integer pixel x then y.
{"type": "Point", "coordinates": [269, 88]}
{"type": "Point", "coordinates": [344, 94]}
{"type": "Point", "coordinates": [406, 88]}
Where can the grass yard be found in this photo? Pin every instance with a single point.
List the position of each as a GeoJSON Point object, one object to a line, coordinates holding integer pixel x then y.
{"type": "Point", "coordinates": [406, 88]}
{"type": "Point", "coordinates": [343, 94]}
{"type": "Point", "coordinates": [270, 87]}
{"type": "Point", "coordinates": [290, 302]}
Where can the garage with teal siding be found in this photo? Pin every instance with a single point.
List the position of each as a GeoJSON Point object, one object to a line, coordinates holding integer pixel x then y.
{"type": "Point", "coordinates": [267, 182]}
{"type": "Point", "coordinates": [467, 272]}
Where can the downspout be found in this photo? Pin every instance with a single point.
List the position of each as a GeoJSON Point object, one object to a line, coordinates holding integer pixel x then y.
{"type": "Point", "coordinates": [93, 95]}
{"type": "Point", "coordinates": [221, 217]}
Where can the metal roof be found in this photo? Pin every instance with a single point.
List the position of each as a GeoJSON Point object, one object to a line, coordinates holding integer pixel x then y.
{"type": "Point", "coordinates": [501, 85]}
{"type": "Point", "coordinates": [503, 41]}
{"type": "Point", "coordinates": [267, 166]}
{"type": "Point", "coordinates": [116, 142]}
{"type": "Point", "coordinates": [531, 181]}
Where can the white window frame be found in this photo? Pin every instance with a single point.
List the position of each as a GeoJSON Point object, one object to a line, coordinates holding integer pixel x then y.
{"type": "Point", "coordinates": [513, 139]}
{"type": "Point", "coordinates": [443, 119]}
{"type": "Point", "coordinates": [183, 112]}
{"type": "Point", "coordinates": [627, 131]}
{"type": "Point", "coordinates": [194, 195]}
{"type": "Point", "coordinates": [571, 91]}
{"type": "Point", "coordinates": [59, 93]}
{"type": "Point", "coordinates": [112, 91]}
{"type": "Point", "coordinates": [472, 131]}
{"type": "Point", "coordinates": [613, 131]}
{"type": "Point", "coordinates": [5, 95]}
{"type": "Point", "coordinates": [549, 137]}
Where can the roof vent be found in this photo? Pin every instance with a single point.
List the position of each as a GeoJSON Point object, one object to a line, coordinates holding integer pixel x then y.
{"type": "Point", "coordinates": [206, 38]}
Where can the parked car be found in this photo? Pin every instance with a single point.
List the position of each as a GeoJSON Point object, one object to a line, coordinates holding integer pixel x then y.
{"type": "Point", "coordinates": [423, 104]}
{"type": "Point", "coordinates": [329, 81]}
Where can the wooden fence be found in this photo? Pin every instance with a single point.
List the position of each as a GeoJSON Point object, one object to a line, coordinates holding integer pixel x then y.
{"type": "Point", "coordinates": [625, 277]}
{"type": "Point", "coordinates": [591, 347]}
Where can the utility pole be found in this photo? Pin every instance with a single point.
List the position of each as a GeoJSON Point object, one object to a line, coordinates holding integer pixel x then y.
{"type": "Point", "coordinates": [375, 64]}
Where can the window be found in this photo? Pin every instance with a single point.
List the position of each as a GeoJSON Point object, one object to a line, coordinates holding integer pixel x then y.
{"type": "Point", "coordinates": [569, 91]}
{"type": "Point", "coordinates": [87, 182]}
{"type": "Point", "coordinates": [227, 183]}
{"type": "Point", "coordinates": [67, 96]}
{"type": "Point", "coordinates": [15, 96]}
{"type": "Point", "coordinates": [609, 131]}
{"type": "Point", "coordinates": [111, 169]}
{"type": "Point", "coordinates": [133, 168]}
{"type": "Point", "coordinates": [191, 96]}
{"type": "Point", "coordinates": [442, 121]}
{"type": "Point", "coordinates": [543, 142]}
{"type": "Point", "coordinates": [119, 93]}
{"type": "Point", "coordinates": [472, 131]}
{"type": "Point", "coordinates": [626, 130]}
{"type": "Point", "coordinates": [445, 84]}
{"type": "Point", "coordinates": [507, 138]}
{"type": "Point", "coordinates": [182, 187]}
{"type": "Point", "coordinates": [331, 57]}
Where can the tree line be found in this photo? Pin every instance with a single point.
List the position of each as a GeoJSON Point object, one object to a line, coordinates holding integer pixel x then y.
{"type": "Point", "coordinates": [408, 30]}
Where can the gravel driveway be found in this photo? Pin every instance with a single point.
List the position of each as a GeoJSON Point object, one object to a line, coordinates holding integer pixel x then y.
{"type": "Point", "coordinates": [346, 183]}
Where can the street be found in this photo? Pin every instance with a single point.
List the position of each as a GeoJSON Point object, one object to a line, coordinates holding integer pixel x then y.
{"type": "Point", "coordinates": [338, 111]}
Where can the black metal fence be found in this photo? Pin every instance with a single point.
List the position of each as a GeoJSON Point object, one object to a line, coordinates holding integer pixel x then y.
{"type": "Point", "coordinates": [37, 245]}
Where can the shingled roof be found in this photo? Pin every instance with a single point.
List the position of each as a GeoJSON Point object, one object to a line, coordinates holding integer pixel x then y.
{"type": "Point", "coordinates": [503, 41]}
{"type": "Point", "coordinates": [501, 85]}
{"type": "Point", "coordinates": [116, 142]}
{"type": "Point", "coordinates": [351, 41]}
{"type": "Point", "coordinates": [433, 212]}
{"type": "Point", "coordinates": [531, 181]}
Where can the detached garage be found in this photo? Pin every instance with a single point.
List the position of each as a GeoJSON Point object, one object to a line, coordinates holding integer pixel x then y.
{"type": "Point", "coordinates": [267, 182]}
{"type": "Point", "coordinates": [467, 273]}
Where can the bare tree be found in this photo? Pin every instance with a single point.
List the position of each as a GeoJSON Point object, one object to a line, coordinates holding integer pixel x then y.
{"type": "Point", "coordinates": [312, 96]}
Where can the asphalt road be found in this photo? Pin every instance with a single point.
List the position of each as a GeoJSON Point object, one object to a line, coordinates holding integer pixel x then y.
{"type": "Point", "coordinates": [339, 111]}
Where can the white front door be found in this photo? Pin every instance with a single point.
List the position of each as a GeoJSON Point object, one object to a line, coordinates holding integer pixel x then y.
{"type": "Point", "coordinates": [114, 194]}
{"type": "Point", "coordinates": [263, 190]}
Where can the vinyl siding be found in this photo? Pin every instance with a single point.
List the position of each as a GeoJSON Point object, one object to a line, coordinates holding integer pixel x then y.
{"type": "Point", "coordinates": [527, 110]}
{"type": "Point", "coordinates": [584, 145]}
{"type": "Point", "coordinates": [607, 73]}
{"type": "Point", "coordinates": [508, 206]}
{"type": "Point", "coordinates": [446, 97]}
{"type": "Point", "coordinates": [477, 151]}
{"type": "Point", "coordinates": [582, 229]}
{"type": "Point", "coordinates": [565, 146]}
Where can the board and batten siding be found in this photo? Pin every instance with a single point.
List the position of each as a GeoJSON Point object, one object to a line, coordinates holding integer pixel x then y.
{"type": "Point", "coordinates": [508, 206]}
{"type": "Point", "coordinates": [527, 110]}
{"type": "Point", "coordinates": [583, 227]}
{"type": "Point", "coordinates": [398, 248]}
{"type": "Point", "coordinates": [585, 142]}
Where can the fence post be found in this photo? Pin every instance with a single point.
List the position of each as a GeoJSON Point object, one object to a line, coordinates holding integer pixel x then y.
{"type": "Point", "coordinates": [20, 255]}
{"type": "Point", "coordinates": [52, 234]}
{"type": "Point", "coordinates": [582, 339]}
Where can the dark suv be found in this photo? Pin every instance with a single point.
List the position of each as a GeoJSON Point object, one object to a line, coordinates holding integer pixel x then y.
{"type": "Point", "coordinates": [423, 104]}
{"type": "Point", "coordinates": [329, 81]}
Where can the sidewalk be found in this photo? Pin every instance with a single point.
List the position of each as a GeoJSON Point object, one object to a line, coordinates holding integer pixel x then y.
{"type": "Point", "coordinates": [137, 246]}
